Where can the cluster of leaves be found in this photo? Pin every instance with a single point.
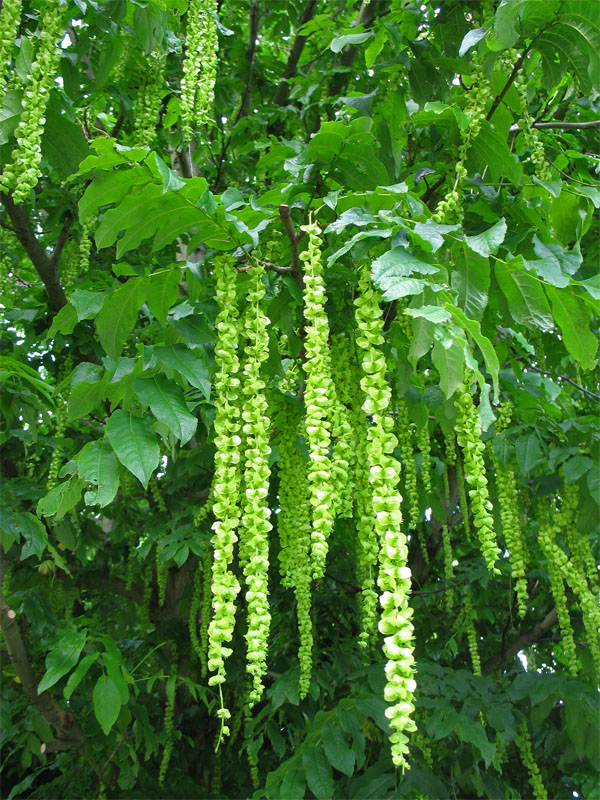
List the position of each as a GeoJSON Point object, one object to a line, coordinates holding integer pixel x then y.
{"type": "Point", "coordinates": [357, 117]}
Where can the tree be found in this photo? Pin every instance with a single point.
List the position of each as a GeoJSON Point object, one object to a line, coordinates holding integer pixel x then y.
{"type": "Point", "coordinates": [299, 414]}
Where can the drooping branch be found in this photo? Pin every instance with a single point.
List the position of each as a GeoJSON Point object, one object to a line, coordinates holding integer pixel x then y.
{"type": "Point", "coordinates": [521, 642]}
{"type": "Point", "coordinates": [44, 265]}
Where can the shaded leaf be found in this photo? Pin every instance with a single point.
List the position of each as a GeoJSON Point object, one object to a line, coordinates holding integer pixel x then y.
{"type": "Point", "coordinates": [135, 444]}
{"type": "Point", "coordinates": [62, 658]}
{"type": "Point", "coordinates": [97, 463]}
{"type": "Point", "coordinates": [319, 776]}
{"type": "Point", "coordinates": [107, 703]}
{"type": "Point", "coordinates": [119, 314]}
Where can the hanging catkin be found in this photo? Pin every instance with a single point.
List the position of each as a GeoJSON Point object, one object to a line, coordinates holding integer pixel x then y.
{"type": "Point", "coordinates": [254, 536]}
{"type": "Point", "coordinates": [394, 577]}
{"type": "Point", "coordinates": [22, 173]}
{"type": "Point", "coordinates": [318, 399]}
{"type": "Point", "coordinates": [199, 66]}
{"type": "Point", "coordinates": [227, 479]}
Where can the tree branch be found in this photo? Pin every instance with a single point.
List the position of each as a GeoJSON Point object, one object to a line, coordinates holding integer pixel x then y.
{"type": "Point", "coordinates": [521, 642]}
{"type": "Point", "coordinates": [284, 213]}
{"type": "Point", "coordinates": [498, 99]}
{"type": "Point", "coordinates": [369, 10]}
{"type": "Point", "coordinates": [44, 265]}
{"type": "Point", "coordinates": [250, 54]}
{"type": "Point", "coordinates": [567, 126]}
{"type": "Point", "coordinates": [565, 378]}
{"type": "Point", "coordinates": [283, 89]}
{"type": "Point", "coordinates": [63, 237]}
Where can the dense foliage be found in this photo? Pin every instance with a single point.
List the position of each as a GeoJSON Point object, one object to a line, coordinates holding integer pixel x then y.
{"type": "Point", "coordinates": [299, 419]}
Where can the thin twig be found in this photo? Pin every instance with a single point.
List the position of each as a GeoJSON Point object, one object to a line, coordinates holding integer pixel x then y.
{"type": "Point", "coordinates": [587, 392]}
{"type": "Point", "coordinates": [443, 589]}
{"type": "Point", "coordinates": [498, 99]}
{"type": "Point", "coordinates": [62, 240]}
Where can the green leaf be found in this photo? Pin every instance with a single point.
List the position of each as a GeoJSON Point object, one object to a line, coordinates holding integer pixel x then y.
{"type": "Point", "coordinates": [163, 292]}
{"type": "Point", "coordinates": [135, 444]}
{"type": "Point", "coordinates": [488, 242]}
{"type": "Point", "coordinates": [180, 358]}
{"type": "Point", "coordinates": [63, 142]}
{"type": "Point", "coordinates": [97, 463]}
{"type": "Point", "coordinates": [61, 499]}
{"type": "Point", "coordinates": [337, 45]}
{"type": "Point", "coordinates": [63, 322]}
{"type": "Point", "coordinates": [473, 328]}
{"type": "Point", "coordinates": [391, 273]}
{"type": "Point", "coordinates": [491, 148]}
{"type": "Point", "coordinates": [474, 733]}
{"type": "Point", "coordinates": [34, 532]}
{"type": "Point", "coordinates": [573, 319]}
{"type": "Point", "coordinates": [285, 688]}
{"type": "Point", "coordinates": [435, 314]}
{"type": "Point", "coordinates": [433, 233]}
{"type": "Point", "coordinates": [471, 279]}
{"type": "Point", "coordinates": [526, 300]}
{"type": "Point", "coordinates": [577, 466]}
{"type": "Point", "coordinates": [337, 750]}
{"type": "Point", "coordinates": [110, 187]}
{"type": "Point", "coordinates": [195, 330]}
{"type": "Point", "coordinates": [171, 180]}
{"type": "Point", "coordinates": [318, 772]}
{"type": "Point", "coordinates": [348, 153]}
{"type": "Point", "coordinates": [62, 658]}
{"type": "Point", "coordinates": [529, 452]}
{"type": "Point", "coordinates": [448, 358]}
{"type": "Point", "coordinates": [119, 314]}
{"type": "Point", "coordinates": [87, 303]}
{"type": "Point", "coordinates": [470, 40]}
{"type": "Point", "coordinates": [294, 782]}
{"type": "Point", "coordinates": [168, 405]}
{"type": "Point", "coordinates": [593, 482]}
{"type": "Point", "coordinates": [79, 674]}
{"type": "Point", "coordinates": [86, 395]}
{"type": "Point", "coordinates": [107, 703]}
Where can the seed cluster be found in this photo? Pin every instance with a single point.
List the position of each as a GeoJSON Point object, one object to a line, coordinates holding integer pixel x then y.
{"type": "Point", "coordinates": [472, 634]}
{"type": "Point", "coordinates": [199, 66]}
{"type": "Point", "coordinates": [149, 98]}
{"type": "Point", "coordinates": [293, 524]}
{"type": "Point", "coordinates": [523, 742]}
{"type": "Point", "coordinates": [394, 577]}
{"type": "Point", "coordinates": [555, 575]}
{"type": "Point", "coordinates": [227, 479]}
{"type": "Point", "coordinates": [22, 174]}
{"type": "Point", "coordinates": [254, 536]}
{"type": "Point", "coordinates": [468, 434]}
{"type": "Point", "coordinates": [170, 691]}
{"type": "Point", "coordinates": [480, 92]}
{"type": "Point", "coordinates": [9, 26]}
{"type": "Point", "coordinates": [508, 499]}
{"type": "Point", "coordinates": [318, 400]}
{"type": "Point", "coordinates": [563, 567]}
